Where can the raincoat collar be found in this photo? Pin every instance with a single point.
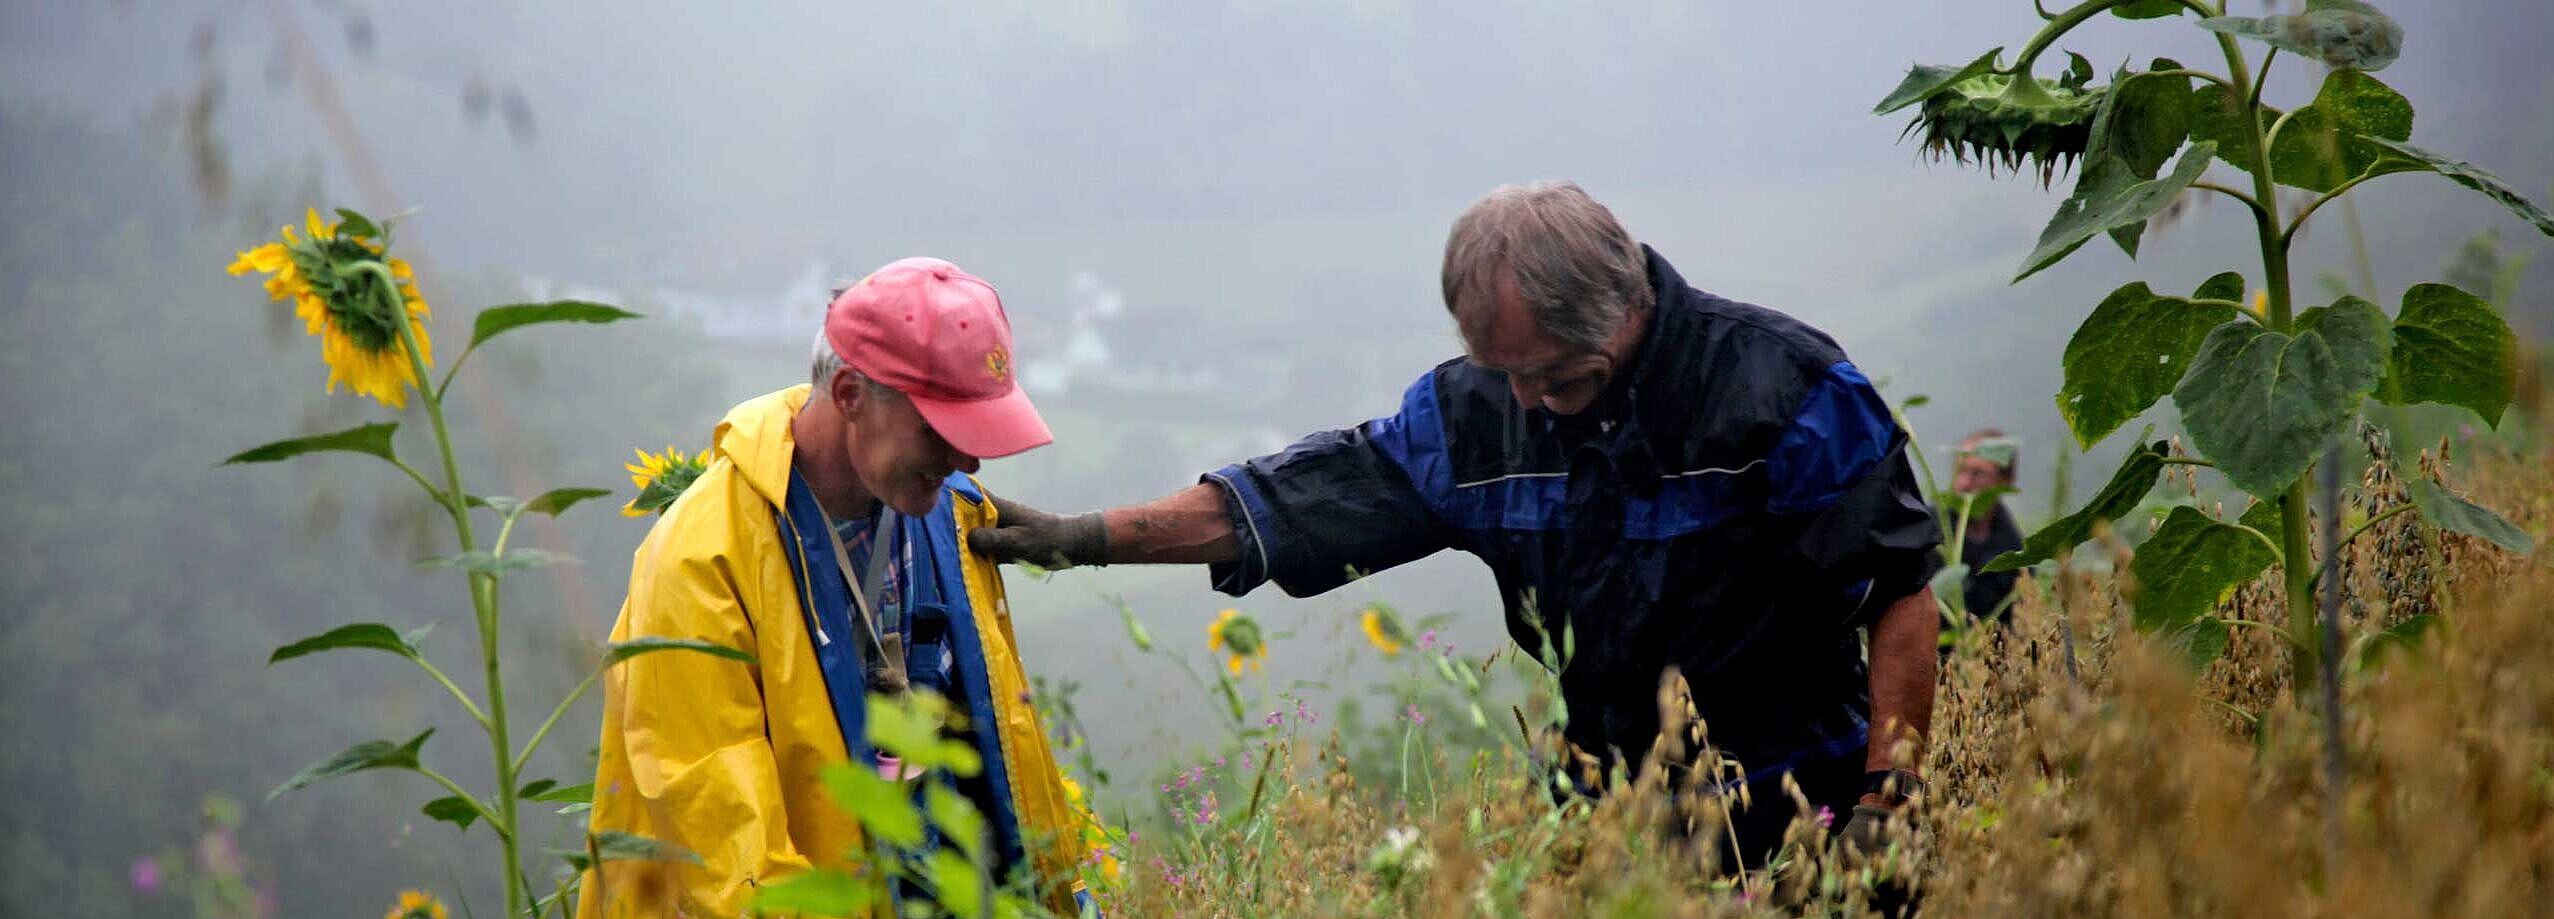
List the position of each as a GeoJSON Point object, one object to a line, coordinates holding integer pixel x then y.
{"type": "Point", "coordinates": [756, 437]}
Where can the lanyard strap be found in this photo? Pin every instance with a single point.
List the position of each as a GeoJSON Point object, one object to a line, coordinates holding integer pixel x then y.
{"type": "Point", "coordinates": [889, 667]}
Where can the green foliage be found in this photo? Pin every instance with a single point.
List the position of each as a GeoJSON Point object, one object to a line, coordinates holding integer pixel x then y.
{"type": "Point", "coordinates": [2413, 158]}
{"type": "Point", "coordinates": [2191, 565]}
{"type": "Point", "coordinates": [368, 439]}
{"type": "Point", "coordinates": [2340, 33]}
{"type": "Point", "coordinates": [2128, 486]}
{"type": "Point", "coordinates": [452, 809]}
{"type": "Point", "coordinates": [2457, 515]}
{"type": "Point", "coordinates": [371, 754]}
{"type": "Point", "coordinates": [369, 635]}
{"type": "Point", "coordinates": [618, 846]}
{"type": "Point", "coordinates": [2452, 348]}
{"type": "Point", "coordinates": [1924, 80]}
{"type": "Point", "coordinates": [498, 320]}
{"type": "Point", "coordinates": [2148, 9]}
{"type": "Point", "coordinates": [482, 562]}
{"type": "Point", "coordinates": [2332, 140]}
{"type": "Point", "coordinates": [2261, 403]}
{"type": "Point", "coordinates": [2108, 196]}
{"type": "Point", "coordinates": [2128, 353]}
{"type": "Point", "coordinates": [2143, 119]}
{"type": "Point", "coordinates": [624, 650]}
{"type": "Point", "coordinates": [2405, 637]}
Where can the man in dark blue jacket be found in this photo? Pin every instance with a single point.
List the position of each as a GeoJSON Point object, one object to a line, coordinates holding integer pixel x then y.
{"type": "Point", "coordinates": [1684, 480]}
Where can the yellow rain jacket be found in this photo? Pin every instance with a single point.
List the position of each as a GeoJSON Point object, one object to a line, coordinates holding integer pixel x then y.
{"type": "Point", "coordinates": [722, 758]}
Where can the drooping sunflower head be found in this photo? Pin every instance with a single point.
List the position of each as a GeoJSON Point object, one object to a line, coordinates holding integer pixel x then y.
{"type": "Point", "coordinates": [417, 904]}
{"type": "Point", "coordinates": [1238, 636]}
{"type": "Point", "coordinates": [661, 478]}
{"type": "Point", "coordinates": [1384, 629]}
{"type": "Point", "coordinates": [351, 295]}
{"type": "Point", "coordinates": [2025, 124]}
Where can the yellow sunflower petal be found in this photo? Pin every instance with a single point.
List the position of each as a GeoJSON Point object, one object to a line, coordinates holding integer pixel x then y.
{"type": "Point", "coordinates": [318, 229]}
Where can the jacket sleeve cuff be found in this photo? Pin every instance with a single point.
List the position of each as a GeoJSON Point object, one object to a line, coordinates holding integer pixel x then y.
{"type": "Point", "coordinates": [1249, 514]}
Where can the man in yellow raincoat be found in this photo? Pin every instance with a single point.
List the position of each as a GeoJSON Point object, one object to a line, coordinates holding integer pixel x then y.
{"type": "Point", "coordinates": [827, 537]}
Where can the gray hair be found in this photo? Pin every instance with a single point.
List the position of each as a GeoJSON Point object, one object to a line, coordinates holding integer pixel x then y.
{"type": "Point", "coordinates": [1574, 264]}
{"type": "Point", "coordinates": [824, 362]}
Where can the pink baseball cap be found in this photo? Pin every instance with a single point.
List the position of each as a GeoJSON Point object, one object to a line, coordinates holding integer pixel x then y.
{"type": "Point", "coordinates": [938, 335]}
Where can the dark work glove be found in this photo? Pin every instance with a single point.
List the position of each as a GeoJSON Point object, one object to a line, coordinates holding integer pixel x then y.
{"type": "Point", "coordinates": [1868, 834]}
{"type": "Point", "coordinates": [1026, 534]}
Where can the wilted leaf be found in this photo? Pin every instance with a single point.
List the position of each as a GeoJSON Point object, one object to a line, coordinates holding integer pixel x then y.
{"type": "Point", "coordinates": [369, 635]}
{"type": "Point", "coordinates": [2339, 33]}
{"type": "Point", "coordinates": [2127, 354]}
{"type": "Point", "coordinates": [2136, 476]}
{"type": "Point", "coordinates": [371, 754]}
{"type": "Point", "coordinates": [2456, 515]}
{"type": "Point", "coordinates": [497, 320]}
{"type": "Point", "coordinates": [2471, 176]}
{"type": "Point", "coordinates": [2450, 347]}
{"type": "Point", "coordinates": [370, 439]}
{"type": "Point", "coordinates": [2106, 197]}
{"type": "Point", "coordinates": [1924, 79]}
{"type": "Point", "coordinates": [2192, 564]}
{"type": "Point", "coordinates": [2260, 403]}
{"type": "Point", "coordinates": [478, 561]}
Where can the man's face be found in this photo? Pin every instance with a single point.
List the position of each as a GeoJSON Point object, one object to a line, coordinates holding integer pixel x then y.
{"type": "Point", "coordinates": [1543, 370]}
{"type": "Point", "coordinates": [893, 450]}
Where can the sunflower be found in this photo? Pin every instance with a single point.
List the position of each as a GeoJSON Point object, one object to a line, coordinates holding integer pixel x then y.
{"type": "Point", "coordinates": [1238, 636]}
{"type": "Point", "coordinates": [329, 277]}
{"type": "Point", "coordinates": [1384, 629]}
{"type": "Point", "coordinates": [661, 478]}
{"type": "Point", "coordinates": [416, 904]}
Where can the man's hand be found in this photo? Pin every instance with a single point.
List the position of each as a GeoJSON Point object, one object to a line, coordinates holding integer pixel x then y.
{"type": "Point", "coordinates": [1026, 534]}
{"type": "Point", "coordinates": [1868, 834]}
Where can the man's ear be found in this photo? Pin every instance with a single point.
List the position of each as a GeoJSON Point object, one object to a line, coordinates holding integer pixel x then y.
{"type": "Point", "coordinates": [845, 390]}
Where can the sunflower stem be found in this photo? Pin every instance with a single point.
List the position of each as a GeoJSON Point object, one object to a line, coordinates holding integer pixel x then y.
{"type": "Point", "coordinates": [483, 587]}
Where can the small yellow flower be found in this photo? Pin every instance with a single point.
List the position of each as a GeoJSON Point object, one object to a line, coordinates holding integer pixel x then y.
{"type": "Point", "coordinates": [1384, 630]}
{"type": "Point", "coordinates": [660, 479]}
{"type": "Point", "coordinates": [2261, 303]}
{"type": "Point", "coordinates": [416, 904]}
{"type": "Point", "coordinates": [340, 302]}
{"type": "Point", "coordinates": [1238, 636]}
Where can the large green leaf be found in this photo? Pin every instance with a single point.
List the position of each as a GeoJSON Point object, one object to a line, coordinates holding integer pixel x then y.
{"type": "Point", "coordinates": [2339, 33]}
{"type": "Point", "coordinates": [618, 846]}
{"type": "Point", "coordinates": [371, 754]}
{"type": "Point", "coordinates": [2260, 403]}
{"type": "Point", "coordinates": [498, 320]}
{"type": "Point", "coordinates": [2216, 116]}
{"type": "Point", "coordinates": [1923, 79]}
{"type": "Point", "coordinates": [624, 650]}
{"type": "Point", "coordinates": [2143, 118]}
{"type": "Point", "coordinates": [2106, 197]}
{"type": "Point", "coordinates": [452, 809]}
{"type": "Point", "coordinates": [879, 803]}
{"type": "Point", "coordinates": [2127, 354]}
{"type": "Point", "coordinates": [2450, 347]}
{"type": "Point", "coordinates": [2469, 175]}
{"type": "Point", "coordinates": [370, 439]}
{"type": "Point", "coordinates": [2327, 143]}
{"type": "Point", "coordinates": [2136, 476]}
{"type": "Point", "coordinates": [2263, 517]}
{"type": "Point", "coordinates": [823, 892]}
{"type": "Point", "coordinates": [2190, 566]}
{"type": "Point", "coordinates": [2456, 515]}
{"type": "Point", "coordinates": [368, 635]}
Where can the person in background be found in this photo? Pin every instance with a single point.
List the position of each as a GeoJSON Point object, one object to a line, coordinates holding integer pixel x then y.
{"type": "Point", "coordinates": [1984, 468]}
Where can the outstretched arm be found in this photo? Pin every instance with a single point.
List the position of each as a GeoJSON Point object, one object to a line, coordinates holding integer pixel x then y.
{"type": "Point", "coordinates": [1185, 527]}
